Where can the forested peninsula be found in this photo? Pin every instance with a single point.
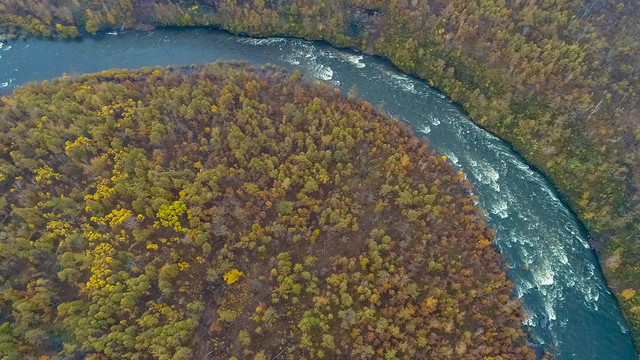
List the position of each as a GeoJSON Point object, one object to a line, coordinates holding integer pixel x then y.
{"type": "Point", "coordinates": [556, 79]}
{"type": "Point", "coordinates": [231, 212]}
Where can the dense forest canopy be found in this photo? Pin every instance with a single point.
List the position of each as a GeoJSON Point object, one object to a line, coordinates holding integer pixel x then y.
{"type": "Point", "coordinates": [229, 212]}
{"type": "Point", "coordinates": [558, 79]}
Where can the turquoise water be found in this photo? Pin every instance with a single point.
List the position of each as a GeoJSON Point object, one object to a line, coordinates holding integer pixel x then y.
{"type": "Point", "coordinates": [557, 277]}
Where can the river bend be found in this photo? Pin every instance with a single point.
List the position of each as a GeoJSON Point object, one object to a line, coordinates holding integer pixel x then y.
{"type": "Point", "coordinates": [555, 273]}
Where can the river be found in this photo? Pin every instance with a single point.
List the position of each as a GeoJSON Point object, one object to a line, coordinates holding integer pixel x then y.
{"type": "Point", "coordinates": [555, 273]}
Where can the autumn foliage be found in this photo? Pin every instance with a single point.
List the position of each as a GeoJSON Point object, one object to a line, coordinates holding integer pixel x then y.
{"type": "Point", "coordinates": [139, 223]}
{"type": "Point", "coordinates": [558, 80]}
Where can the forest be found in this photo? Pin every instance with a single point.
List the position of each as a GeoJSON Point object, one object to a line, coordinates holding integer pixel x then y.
{"type": "Point", "coordinates": [230, 212]}
{"type": "Point", "coordinates": [557, 79]}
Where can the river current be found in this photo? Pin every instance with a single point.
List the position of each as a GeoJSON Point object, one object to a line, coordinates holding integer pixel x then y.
{"type": "Point", "coordinates": [556, 275]}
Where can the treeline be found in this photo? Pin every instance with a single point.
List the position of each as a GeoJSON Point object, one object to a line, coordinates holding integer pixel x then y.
{"type": "Point", "coordinates": [557, 79]}
{"type": "Point", "coordinates": [230, 212]}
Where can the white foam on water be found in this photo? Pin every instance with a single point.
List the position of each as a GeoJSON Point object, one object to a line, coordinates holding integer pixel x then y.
{"type": "Point", "coordinates": [355, 60]}
{"type": "Point", "coordinates": [570, 282]}
{"type": "Point", "coordinates": [546, 254]}
{"type": "Point", "coordinates": [577, 236]}
{"type": "Point", "coordinates": [425, 129]}
{"type": "Point", "coordinates": [486, 173]}
{"type": "Point", "coordinates": [528, 260]}
{"type": "Point", "coordinates": [453, 158]}
{"type": "Point", "coordinates": [584, 242]}
{"type": "Point", "coordinates": [563, 258]}
{"type": "Point", "coordinates": [543, 274]}
{"type": "Point", "coordinates": [551, 312]}
{"type": "Point", "coordinates": [500, 208]}
{"type": "Point", "coordinates": [523, 216]}
{"type": "Point", "coordinates": [431, 91]}
{"type": "Point", "coordinates": [552, 250]}
{"type": "Point", "coordinates": [523, 167]}
{"type": "Point", "coordinates": [473, 163]}
{"type": "Point", "coordinates": [292, 61]}
{"type": "Point", "coordinates": [307, 56]}
{"type": "Point", "coordinates": [530, 319]}
{"type": "Point", "coordinates": [622, 327]}
{"type": "Point", "coordinates": [564, 322]}
{"type": "Point", "coordinates": [573, 232]}
{"type": "Point", "coordinates": [262, 42]}
{"type": "Point", "coordinates": [493, 142]}
{"type": "Point", "coordinates": [520, 239]}
{"type": "Point", "coordinates": [322, 72]}
{"type": "Point", "coordinates": [591, 297]}
{"type": "Point", "coordinates": [523, 288]}
{"type": "Point", "coordinates": [550, 192]}
{"type": "Point", "coordinates": [591, 269]}
{"type": "Point", "coordinates": [544, 279]}
{"type": "Point", "coordinates": [4, 85]}
{"type": "Point", "coordinates": [402, 81]}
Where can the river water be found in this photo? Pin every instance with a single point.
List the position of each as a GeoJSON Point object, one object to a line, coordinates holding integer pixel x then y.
{"type": "Point", "coordinates": [555, 273]}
